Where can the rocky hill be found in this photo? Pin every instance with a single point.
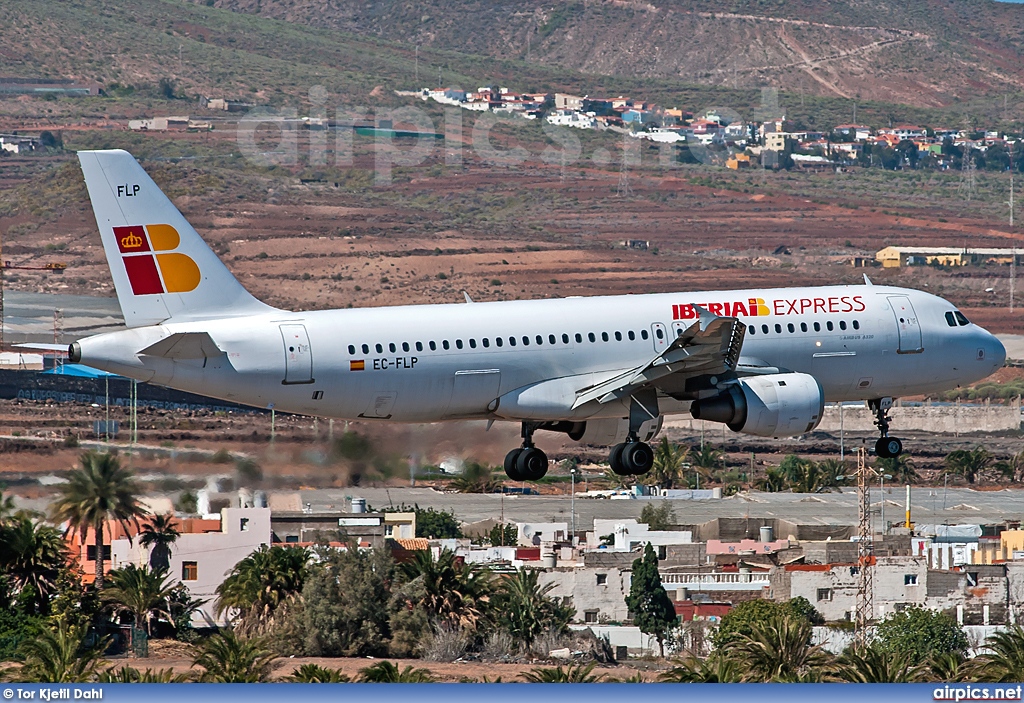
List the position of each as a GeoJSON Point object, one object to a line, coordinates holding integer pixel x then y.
{"type": "Point", "coordinates": [919, 52]}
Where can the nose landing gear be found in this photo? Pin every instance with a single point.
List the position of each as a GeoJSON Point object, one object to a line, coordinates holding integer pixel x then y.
{"type": "Point", "coordinates": [528, 463]}
{"type": "Point", "coordinates": [886, 447]}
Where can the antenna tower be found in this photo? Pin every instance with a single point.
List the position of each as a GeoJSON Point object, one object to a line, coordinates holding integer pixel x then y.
{"type": "Point", "coordinates": [865, 552]}
{"type": "Point", "coordinates": [968, 184]}
{"type": "Point", "coordinates": [624, 190]}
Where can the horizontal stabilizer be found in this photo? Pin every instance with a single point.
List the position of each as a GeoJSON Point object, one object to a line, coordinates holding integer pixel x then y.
{"type": "Point", "coordinates": [31, 346]}
{"type": "Point", "coordinates": [185, 345]}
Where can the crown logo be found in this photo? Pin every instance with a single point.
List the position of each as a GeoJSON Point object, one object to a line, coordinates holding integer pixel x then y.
{"type": "Point", "coordinates": [132, 241]}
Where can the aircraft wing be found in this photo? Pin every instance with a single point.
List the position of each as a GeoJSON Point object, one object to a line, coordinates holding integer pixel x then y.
{"type": "Point", "coordinates": [711, 345]}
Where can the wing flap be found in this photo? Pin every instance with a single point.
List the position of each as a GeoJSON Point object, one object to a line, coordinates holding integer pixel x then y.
{"type": "Point", "coordinates": [710, 345]}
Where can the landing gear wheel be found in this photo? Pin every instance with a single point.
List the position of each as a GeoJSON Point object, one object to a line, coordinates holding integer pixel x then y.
{"type": "Point", "coordinates": [615, 461]}
{"type": "Point", "coordinates": [638, 457]}
{"type": "Point", "coordinates": [511, 465]}
{"type": "Point", "coordinates": [532, 463]}
{"type": "Point", "coordinates": [888, 447]}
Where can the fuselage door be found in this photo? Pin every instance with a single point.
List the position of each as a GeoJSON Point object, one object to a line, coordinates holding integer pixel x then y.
{"type": "Point", "coordinates": [907, 325]}
{"type": "Point", "coordinates": [660, 337]}
{"type": "Point", "coordinates": [298, 356]}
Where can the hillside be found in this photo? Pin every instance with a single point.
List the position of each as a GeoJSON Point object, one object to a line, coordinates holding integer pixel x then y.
{"type": "Point", "coordinates": [921, 52]}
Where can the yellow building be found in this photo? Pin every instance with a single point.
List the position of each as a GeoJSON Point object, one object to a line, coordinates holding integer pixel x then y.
{"type": "Point", "coordinates": [400, 525]}
{"type": "Point", "coordinates": [991, 551]}
{"type": "Point", "coordinates": [775, 141]}
{"type": "Point", "coordinates": [895, 257]}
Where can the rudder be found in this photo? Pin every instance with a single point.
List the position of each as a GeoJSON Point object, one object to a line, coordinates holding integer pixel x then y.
{"type": "Point", "coordinates": [162, 268]}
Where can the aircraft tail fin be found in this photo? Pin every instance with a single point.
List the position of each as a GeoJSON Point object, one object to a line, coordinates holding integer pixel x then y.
{"type": "Point", "coordinates": [162, 268]}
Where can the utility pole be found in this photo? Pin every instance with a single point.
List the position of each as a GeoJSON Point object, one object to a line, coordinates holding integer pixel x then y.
{"type": "Point", "coordinates": [417, 64]}
{"type": "Point", "coordinates": [865, 555]}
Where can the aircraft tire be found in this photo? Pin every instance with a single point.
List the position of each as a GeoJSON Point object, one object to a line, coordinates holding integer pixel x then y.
{"type": "Point", "coordinates": [615, 460]}
{"type": "Point", "coordinates": [638, 457]}
{"type": "Point", "coordinates": [532, 464]}
{"type": "Point", "coordinates": [511, 464]}
{"type": "Point", "coordinates": [889, 447]}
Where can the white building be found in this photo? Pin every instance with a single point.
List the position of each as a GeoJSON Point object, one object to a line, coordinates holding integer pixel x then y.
{"type": "Point", "coordinates": [571, 118]}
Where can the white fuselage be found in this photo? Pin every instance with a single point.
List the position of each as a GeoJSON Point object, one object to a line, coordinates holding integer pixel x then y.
{"type": "Point", "coordinates": [436, 362]}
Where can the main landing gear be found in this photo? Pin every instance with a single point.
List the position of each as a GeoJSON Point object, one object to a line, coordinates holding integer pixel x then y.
{"type": "Point", "coordinates": [632, 457]}
{"type": "Point", "coordinates": [886, 447]}
{"type": "Point", "coordinates": [528, 463]}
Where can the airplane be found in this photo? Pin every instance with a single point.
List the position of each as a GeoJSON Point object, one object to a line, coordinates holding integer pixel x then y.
{"type": "Point", "coordinates": [603, 370]}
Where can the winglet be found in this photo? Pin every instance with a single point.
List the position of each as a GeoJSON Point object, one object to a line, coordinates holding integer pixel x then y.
{"type": "Point", "coordinates": [706, 317]}
{"type": "Point", "coordinates": [468, 299]}
{"type": "Point", "coordinates": [867, 281]}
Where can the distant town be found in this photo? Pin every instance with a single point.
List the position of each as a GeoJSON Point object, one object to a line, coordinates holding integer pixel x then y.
{"type": "Point", "coordinates": [773, 142]}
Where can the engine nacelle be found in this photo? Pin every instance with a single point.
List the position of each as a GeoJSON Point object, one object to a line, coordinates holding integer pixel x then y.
{"type": "Point", "coordinates": [609, 431]}
{"type": "Point", "coordinates": [774, 405]}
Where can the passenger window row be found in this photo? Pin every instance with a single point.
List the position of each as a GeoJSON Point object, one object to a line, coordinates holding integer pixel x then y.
{"type": "Point", "coordinates": [791, 328]}
{"type": "Point", "coordinates": [525, 340]}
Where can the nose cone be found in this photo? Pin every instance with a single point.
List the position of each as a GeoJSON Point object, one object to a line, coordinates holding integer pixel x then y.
{"type": "Point", "coordinates": [995, 352]}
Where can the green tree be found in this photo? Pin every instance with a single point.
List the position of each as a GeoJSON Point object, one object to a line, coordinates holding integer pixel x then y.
{"type": "Point", "coordinates": [1003, 660]}
{"type": "Point", "coordinates": [228, 658]}
{"type": "Point", "coordinates": [779, 649]}
{"type": "Point", "coordinates": [100, 490]}
{"type": "Point", "coordinates": [574, 673]}
{"type": "Point", "coordinates": [658, 518]}
{"type": "Point", "coordinates": [524, 610]}
{"type": "Point", "coordinates": [140, 592]}
{"type": "Point", "coordinates": [650, 605]}
{"type": "Point", "coordinates": [950, 667]}
{"type": "Point", "coordinates": [453, 592]}
{"type": "Point", "coordinates": [968, 463]}
{"type": "Point", "coordinates": [159, 533]}
{"type": "Point", "coordinates": [386, 672]}
{"type": "Point", "coordinates": [31, 557]}
{"type": "Point", "coordinates": [707, 458]}
{"type": "Point", "coordinates": [58, 654]}
{"type": "Point", "coordinates": [345, 604]}
{"type": "Point", "coordinates": [774, 480]}
{"type": "Point", "coordinates": [314, 673]}
{"type": "Point", "coordinates": [503, 535]}
{"type": "Point", "coordinates": [740, 620]}
{"type": "Point", "coordinates": [261, 582]}
{"type": "Point", "coordinates": [873, 664]}
{"type": "Point", "coordinates": [669, 460]}
{"type": "Point", "coordinates": [921, 633]}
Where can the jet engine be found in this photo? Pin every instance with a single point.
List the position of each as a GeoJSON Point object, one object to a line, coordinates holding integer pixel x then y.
{"type": "Point", "coordinates": [606, 432]}
{"type": "Point", "coordinates": [773, 405]}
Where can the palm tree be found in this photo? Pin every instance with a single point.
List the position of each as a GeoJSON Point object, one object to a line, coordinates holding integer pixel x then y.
{"type": "Point", "coordinates": [950, 667]}
{"type": "Point", "coordinates": [668, 463]}
{"type": "Point", "coordinates": [968, 463]}
{"type": "Point", "coordinates": [717, 668]}
{"type": "Point", "coordinates": [139, 591]}
{"type": "Point", "coordinates": [774, 480]}
{"type": "Point", "coordinates": [872, 664]}
{"type": "Point", "coordinates": [100, 490]}
{"type": "Point", "coordinates": [227, 658]}
{"type": "Point", "coordinates": [574, 673]}
{"type": "Point", "coordinates": [453, 592]}
{"type": "Point", "coordinates": [159, 533]}
{"type": "Point", "coordinates": [386, 672]}
{"type": "Point", "coordinates": [1004, 660]}
{"type": "Point", "coordinates": [707, 459]}
{"type": "Point", "coordinates": [128, 674]}
{"type": "Point", "coordinates": [59, 655]}
{"type": "Point", "coordinates": [524, 609]}
{"type": "Point", "coordinates": [262, 581]}
{"type": "Point", "coordinates": [314, 673]}
{"type": "Point", "coordinates": [778, 648]}
{"type": "Point", "coordinates": [31, 557]}
{"type": "Point", "coordinates": [901, 468]}
{"type": "Point", "coordinates": [7, 508]}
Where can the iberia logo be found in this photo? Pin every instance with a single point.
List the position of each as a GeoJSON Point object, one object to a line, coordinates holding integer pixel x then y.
{"type": "Point", "coordinates": [151, 266]}
{"type": "Point", "coordinates": [754, 307]}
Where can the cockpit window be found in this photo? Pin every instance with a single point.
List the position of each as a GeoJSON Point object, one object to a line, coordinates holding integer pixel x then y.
{"type": "Point", "coordinates": [961, 319]}
{"type": "Point", "coordinates": [950, 320]}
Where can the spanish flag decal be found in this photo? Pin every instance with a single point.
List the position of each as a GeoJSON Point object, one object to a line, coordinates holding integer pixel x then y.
{"type": "Point", "coordinates": [357, 365]}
